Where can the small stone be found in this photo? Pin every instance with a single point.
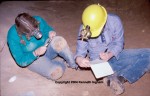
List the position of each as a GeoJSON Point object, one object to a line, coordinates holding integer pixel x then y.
{"type": "Point", "coordinates": [12, 79]}
{"type": "Point", "coordinates": [143, 30]}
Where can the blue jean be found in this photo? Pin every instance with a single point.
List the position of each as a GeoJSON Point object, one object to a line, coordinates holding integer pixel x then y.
{"type": "Point", "coordinates": [47, 64]}
{"type": "Point", "coordinates": [132, 64]}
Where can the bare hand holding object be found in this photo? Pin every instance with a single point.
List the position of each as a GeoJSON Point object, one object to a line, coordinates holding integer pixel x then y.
{"type": "Point", "coordinates": [82, 62]}
{"type": "Point", "coordinates": [106, 55]}
{"type": "Point", "coordinates": [52, 34]}
{"type": "Point", "coordinates": [40, 51]}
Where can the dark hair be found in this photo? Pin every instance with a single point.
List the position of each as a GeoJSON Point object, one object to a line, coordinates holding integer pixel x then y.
{"type": "Point", "coordinates": [25, 24]}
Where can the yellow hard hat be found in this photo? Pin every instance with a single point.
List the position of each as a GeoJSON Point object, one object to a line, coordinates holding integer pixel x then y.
{"type": "Point", "coordinates": [94, 16]}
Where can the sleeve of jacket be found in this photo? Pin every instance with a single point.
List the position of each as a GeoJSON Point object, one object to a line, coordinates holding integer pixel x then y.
{"type": "Point", "coordinates": [82, 46]}
{"type": "Point", "coordinates": [117, 44]}
{"type": "Point", "coordinates": [22, 59]}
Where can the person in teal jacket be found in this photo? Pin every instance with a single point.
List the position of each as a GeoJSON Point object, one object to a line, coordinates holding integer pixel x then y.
{"type": "Point", "coordinates": [34, 45]}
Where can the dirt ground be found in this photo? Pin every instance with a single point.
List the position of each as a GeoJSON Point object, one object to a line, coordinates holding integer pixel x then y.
{"type": "Point", "coordinates": [65, 17]}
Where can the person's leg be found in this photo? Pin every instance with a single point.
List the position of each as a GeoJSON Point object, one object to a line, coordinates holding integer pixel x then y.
{"type": "Point", "coordinates": [61, 47]}
{"type": "Point", "coordinates": [50, 69]}
{"type": "Point", "coordinates": [130, 66]}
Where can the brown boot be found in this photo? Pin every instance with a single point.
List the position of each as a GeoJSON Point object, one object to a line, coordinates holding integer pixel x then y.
{"type": "Point", "coordinates": [106, 81]}
{"type": "Point", "coordinates": [114, 83]}
{"type": "Point", "coordinates": [116, 86]}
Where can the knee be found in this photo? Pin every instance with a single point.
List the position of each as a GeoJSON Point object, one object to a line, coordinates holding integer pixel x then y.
{"type": "Point", "coordinates": [56, 74]}
{"type": "Point", "coordinates": [58, 43]}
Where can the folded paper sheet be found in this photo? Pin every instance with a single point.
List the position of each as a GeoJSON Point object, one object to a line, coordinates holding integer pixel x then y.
{"type": "Point", "coordinates": [101, 68]}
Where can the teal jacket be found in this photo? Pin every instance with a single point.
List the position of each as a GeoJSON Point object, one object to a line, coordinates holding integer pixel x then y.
{"type": "Point", "coordinates": [23, 54]}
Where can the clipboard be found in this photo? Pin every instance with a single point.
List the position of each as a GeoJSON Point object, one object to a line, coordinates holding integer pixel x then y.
{"type": "Point", "coordinates": [101, 68]}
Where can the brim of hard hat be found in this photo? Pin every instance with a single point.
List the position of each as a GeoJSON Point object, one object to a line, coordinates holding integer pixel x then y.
{"type": "Point", "coordinates": [96, 33]}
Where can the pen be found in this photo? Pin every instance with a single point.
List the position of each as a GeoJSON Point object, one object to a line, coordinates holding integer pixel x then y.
{"type": "Point", "coordinates": [47, 43]}
{"type": "Point", "coordinates": [106, 50]}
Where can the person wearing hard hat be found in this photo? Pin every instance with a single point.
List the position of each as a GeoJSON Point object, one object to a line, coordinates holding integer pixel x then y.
{"type": "Point", "coordinates": [101, 36]}
{"type": "Point", "coordinates": [34, 45]}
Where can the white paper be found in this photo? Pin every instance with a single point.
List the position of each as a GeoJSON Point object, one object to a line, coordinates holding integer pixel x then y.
{"type": "Point", "coordinates": [101, 68]}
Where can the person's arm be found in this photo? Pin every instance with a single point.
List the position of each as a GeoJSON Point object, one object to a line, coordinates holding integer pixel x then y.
{"type": "Point", "coordinates": [117, 44]}
{"type": "Point", "coordinates": [81, 52]}
{"type": "Point", "coordinates": [81, 48]}
{"type": "Point", "coordinates": [23, 59]}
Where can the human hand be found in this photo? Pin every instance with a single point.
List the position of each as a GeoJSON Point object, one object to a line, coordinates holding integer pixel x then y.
{"type": "Point", "coordinates": [40, 51]}
{"type": "Point", "coordinates": [52, 34]}
{"type": "Point", "coordinates": [82, 62]}
{"type": "Point", "coordinates": [106, 55]}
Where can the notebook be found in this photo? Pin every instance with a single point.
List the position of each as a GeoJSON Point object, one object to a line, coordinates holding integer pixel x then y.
{"type": "Point", "coordinates": [101, 68]}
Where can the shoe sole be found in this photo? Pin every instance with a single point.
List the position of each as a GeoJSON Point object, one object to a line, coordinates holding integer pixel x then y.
{"type": "Point", "coordinates": [106, 81]}
{"type": "Point", "coordinates": [117, 87]}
